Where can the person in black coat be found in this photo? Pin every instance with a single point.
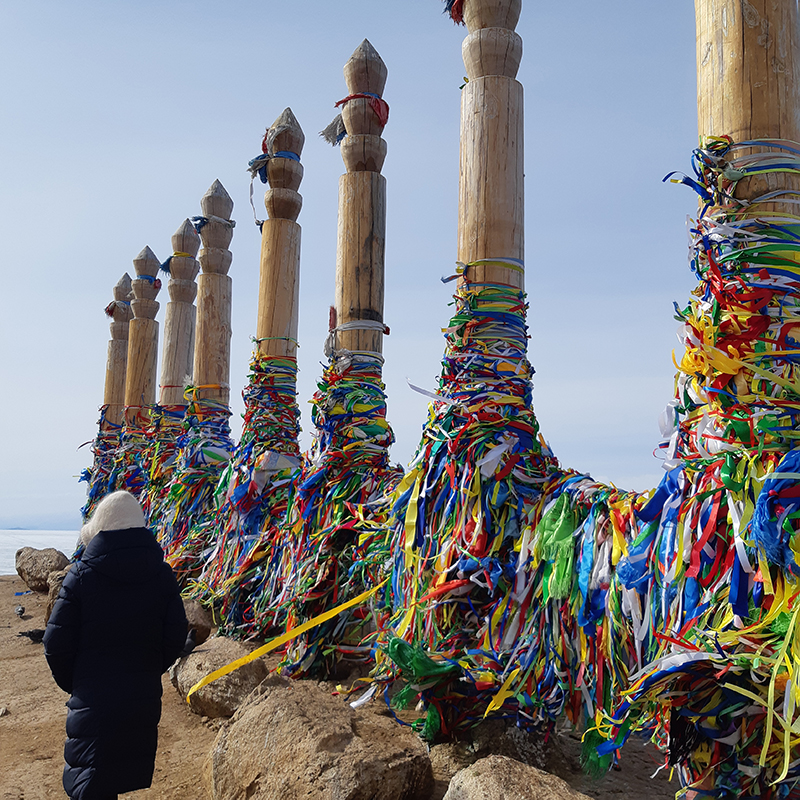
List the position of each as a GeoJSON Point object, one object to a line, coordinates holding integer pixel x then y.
{"type": "Point", "coordinates": [117, 625]}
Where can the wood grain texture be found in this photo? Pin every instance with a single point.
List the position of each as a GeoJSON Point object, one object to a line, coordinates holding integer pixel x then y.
{"type": "Point", "coordinates": [747, 76]}
{"type": "Point", "coordinates": [491, 14]}
{"type": "Point", "coordinates": [141, 375]}
{"type": "Point", "coordinates": [177, 356]}
{"type": "Point", "coordinates": [140, 382]}
{"type": "Point", "coordinates": [279, 287]}
{"type": "Point", "coordinates": [360, 257]}
{"type": "Point", "coordinates": [213, 336]}
{"type": "Point", "coordinates": [177, 359]}
{"type": "Point", "coordinates": [491, 177]}
{"type": "Point", "coordinates": [212, 350]}
{"type": "Point", "coordinates": [116, 370]}
{"type": "Point", "coordinates": [117, 357]}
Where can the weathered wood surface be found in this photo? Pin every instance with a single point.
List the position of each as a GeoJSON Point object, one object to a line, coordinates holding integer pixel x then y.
{"type": "Point", "coordinates": [747, 77]}
{"type": "Point", "coordinates": [212, 352]}
{"type": "Point", "coordinates": [117, 358]}
{"type": "Point", "coordinates": [177, 355]}
{"type": "Point", "coordinates": [140, 382]}
{"type": "Point", "coordinates": [279, 282]}
{"type": "Point", "coordinates": [361, 238]}
{"type": "Point", "coordinates": [491, 191]}
{"type": "Point", "coordinates": [361, 246]}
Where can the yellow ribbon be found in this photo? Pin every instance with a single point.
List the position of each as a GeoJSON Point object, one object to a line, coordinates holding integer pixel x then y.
{"type": "Point", "coordinates": [500, 697]}
{"type": "Point", "coordinates": [281, 640]}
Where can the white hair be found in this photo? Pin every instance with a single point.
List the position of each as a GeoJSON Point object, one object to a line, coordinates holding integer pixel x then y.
{"type": "Point", "coordinates": [115, 512]}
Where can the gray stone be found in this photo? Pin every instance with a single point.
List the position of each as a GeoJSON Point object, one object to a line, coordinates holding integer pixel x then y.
{"type": "Point", "coordinates": [34, 566]}
{"type": "Point", "coordinates": [54, 581]}
{"type": "Point", "coordinates": [294, 740]}
{"type": "Point", "coordinates": [198, 618]}
{"type": "Point", "coordinates": [502, 778]}
{"type": "Point", "coordinates": [222, 697]}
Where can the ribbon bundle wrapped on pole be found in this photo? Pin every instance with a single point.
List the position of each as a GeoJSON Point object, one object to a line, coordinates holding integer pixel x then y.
{"type": "Point", "coordinates": [339, 501]}
{"type": "Point", "coordinates": [130, 465]}
{"type": "Point", "coordinates": [241, 572]}
{"type": "Point", "coordinates": [186, 516]}
{"type": "Point", "coordinates": [176, 368]}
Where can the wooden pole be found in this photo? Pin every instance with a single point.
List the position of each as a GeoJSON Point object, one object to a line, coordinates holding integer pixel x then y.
{"type": "Point", "coordinates": [748, 79]}
{"type": "Point", "coordinates": [362, 209]}
{"type": "Point", "coordinates": [212, 352]}
{"type": "Point", "coordinates": [279, 286]}
{"type": "Point", "coordinates": [491, 192]}
{"type": "Point", "coordinates": [179, 322]}
{"type": "Point", "coordinates": [140, 381]}
{"type": "Point", "coordinates": [117, 361]}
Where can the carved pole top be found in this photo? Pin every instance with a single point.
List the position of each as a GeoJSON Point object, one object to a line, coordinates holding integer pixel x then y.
{"type": "Point", "coordinates": [119, 309]}
{"type": "Point", "coordinates": [146, 263]}
{"type": "Point", "coordinates": [285, 135]}
{"type": "Point", "coordinates": [122, 288]}
{"type": "Point", "coordinates": [145, 285]}
{"type": "Point", "coordinates": [186, 239]}
{"type": "Point", "coordinates": [365, 70]}
{"type": "Point", "coordinates": [216, 202]}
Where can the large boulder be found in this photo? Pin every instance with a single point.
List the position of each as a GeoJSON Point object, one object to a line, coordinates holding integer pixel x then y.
{"type": "Point", "coordinates": [222, 697]}
{"type": "Point", "coordinates": [54, 581]}
{"type": "Point", "coordinates": [33, 565]}
{"type": "Point", "coordinates": [294, 740]}
{"type": "Point", "coordinates": [198, 618]}
{"type": "Point", "coordinates": [503, 778]}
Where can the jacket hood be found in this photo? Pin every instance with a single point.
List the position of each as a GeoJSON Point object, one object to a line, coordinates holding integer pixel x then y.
{"type": "Point", "coordinates": [116, 511]}
{"type": "Point", "coordinates": [131, 555]}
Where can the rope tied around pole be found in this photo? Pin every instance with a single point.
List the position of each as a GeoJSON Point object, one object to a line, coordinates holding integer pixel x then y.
{"type": "Point", "coordinates": [331, 343]}
{"type": "Point", "coordinates": [114, 305]}
{"type": "Point", "coordinates": [150, 279]}
{"type": "Point", "coordinates": [200, 222]}
{"type": "Point", "coordinates": [258, 166]}
{"type": "Point", "coordinates": [165, 266]}
{"type": "Point", "coordinates": [336, 131]}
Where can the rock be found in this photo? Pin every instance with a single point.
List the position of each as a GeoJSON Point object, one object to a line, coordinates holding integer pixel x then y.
{"type": "Point", "coordinates": [3, 711]}
{"type": "Point", "coordinates": [198, 618]}
{"type": "Point", "coordinates": [293, 740]}
{"type": "Point", "coordinates": [54, 581]}
{"type": "Point", "coordinates": [502, 778]}
{"type": "Point", "coordinates": [493, 737]}
{"type": "Point", "coordinates": [222, 697]}
{"type": "Point", "coordinates": [33, 565]}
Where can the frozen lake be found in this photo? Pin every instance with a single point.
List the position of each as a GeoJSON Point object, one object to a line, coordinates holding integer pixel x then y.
{"type": "Point", "coordinates": [11, 541]}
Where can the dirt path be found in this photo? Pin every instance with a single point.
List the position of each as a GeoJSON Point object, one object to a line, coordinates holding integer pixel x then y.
{"type": "Point", "coordinates": [32, 730]}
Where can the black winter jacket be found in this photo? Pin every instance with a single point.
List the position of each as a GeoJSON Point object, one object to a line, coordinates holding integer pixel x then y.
{"type": "Point", "coordinates": [117, 625]}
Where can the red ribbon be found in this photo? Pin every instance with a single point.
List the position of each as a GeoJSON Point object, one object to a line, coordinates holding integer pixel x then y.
{"type": "Point", "coordinates": [378, 105]}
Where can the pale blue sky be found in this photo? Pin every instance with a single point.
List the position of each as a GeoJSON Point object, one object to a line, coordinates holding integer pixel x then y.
{"type": "Point", "coordinates": [117, 116]}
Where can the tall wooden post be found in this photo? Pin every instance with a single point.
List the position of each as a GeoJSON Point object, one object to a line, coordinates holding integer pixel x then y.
{"type": "Point", "coordinates": [748, 77]}
{"type": "Point", "coordinates": [120, 312]}
{"type": "Point", "coordinates": [212, 352]}
{"type": "Point", "coordinates": [362, 209]}
{"type": "Point", "coordinates": [140, 380]}
{"type": "Point", "coordinates": [105, 444]}
{"type": "Point", "coordinates": [279, 286]}
{"type": "Point", "coordinates": [179, 323]}
{"type": "Point", "coordinates": [491, 192]}
{"type": "Point", "coordinates": [256, 484]}
{"type": "Point", "coordinates": [177, 356]}
{"type": "Point", "coordinates": [185, 525]}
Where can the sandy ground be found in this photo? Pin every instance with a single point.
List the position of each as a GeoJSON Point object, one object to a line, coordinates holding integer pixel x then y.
{"type": "Point", "coordinates": [32, 730]}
